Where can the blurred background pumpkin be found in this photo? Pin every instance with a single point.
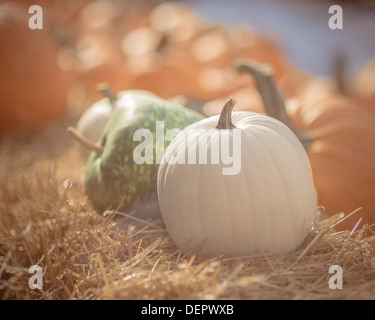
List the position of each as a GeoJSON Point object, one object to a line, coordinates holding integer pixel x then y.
{"type": "Point", "coordinates": [33, 87]}
{"type": "Point", "coordinates": [364, 86]}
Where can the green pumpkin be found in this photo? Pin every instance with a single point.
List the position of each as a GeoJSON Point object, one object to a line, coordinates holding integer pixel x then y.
{"type": "Point", "coordinates": [113, 179]}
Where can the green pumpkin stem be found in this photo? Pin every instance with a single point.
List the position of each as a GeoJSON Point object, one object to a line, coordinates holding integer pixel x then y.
{"type": "Point", "coordinates": [107, 92]}
{"type": "Point", "coordinates": [225, 119]}
{"type": "Point", "coordinates": [80, 138]}
{"type": "Point", "coordinates": [273, 101]}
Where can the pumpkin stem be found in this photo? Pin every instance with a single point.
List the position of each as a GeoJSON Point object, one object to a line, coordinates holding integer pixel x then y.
{"type": "Point", "coordinates": [273, 102]}
{"type": "Point", "coordinates": [339, 63]}
{"type": "Point", "coordinates": [79, 137]}
{"type": "Point", "coordinates": [107, 92]}
{"type": "Point", "coordinates": [225, 119]}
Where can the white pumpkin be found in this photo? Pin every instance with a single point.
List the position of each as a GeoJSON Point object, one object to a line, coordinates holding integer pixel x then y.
{"type": "Point", "coordinates": [93, 121]}
{"type": "Point", "coordinates": [268, 205]}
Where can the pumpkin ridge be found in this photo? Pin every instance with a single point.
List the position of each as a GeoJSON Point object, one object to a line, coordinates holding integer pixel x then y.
{"type": "Point", "coordinates": [266, 233]}
{"type": "Point", "coordinates": [287, 221]}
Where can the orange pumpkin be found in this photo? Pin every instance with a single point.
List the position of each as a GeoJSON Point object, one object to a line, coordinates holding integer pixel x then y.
{"type": "Point", "coordinates": [96, 17]}
{"type": "Point", "coordinates": [177, 53]}
{"type": "Point", "coordinates": [168, 79]}
{"type": "Point", "coordinates": [33, 88]}
{"type": "Point", "coordinates": [161, 54]}
{"type": "Point", "coordinates": [99, 59]}
{"type": "Point", "coordinates": [339, 138]}
{"type": "Point", "coordinates": [175, 69]}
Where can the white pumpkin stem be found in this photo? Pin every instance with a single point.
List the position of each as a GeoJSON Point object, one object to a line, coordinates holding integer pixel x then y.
{"type": "Point", "coordinates": [80, 138]}
{"type": "Point", "coordinates": [273, 102]}
{"type": "Point", "coordinates": [225, 119]}
{"type": "Point", "coordinates": [107, 92]}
